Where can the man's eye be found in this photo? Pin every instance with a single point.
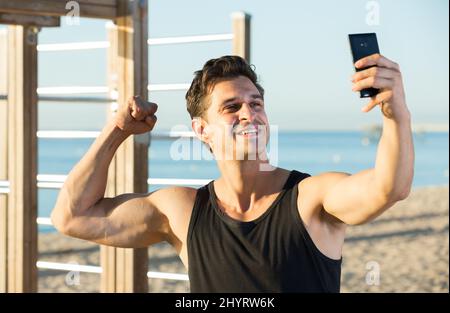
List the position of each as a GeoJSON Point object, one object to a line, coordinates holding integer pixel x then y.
{"type": "Point", "coordinates": [231, 107]}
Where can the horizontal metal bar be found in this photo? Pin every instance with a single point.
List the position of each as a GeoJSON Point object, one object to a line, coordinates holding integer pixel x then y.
{"type": "Point", "coordinates": [4, 190]}
{"type": "Point", "coordinates": [173, 134]}
{"type": "Point", "coordinates": [168, 87]}
{"type": "Point", "coordinates": [71, 90]}
{"type": "Point", "coordinates": [3, 97]}
{"type": "Point", "coordinates": [69, 267]}
{"type": "Point", "coordinates": [189, 39]}
{"type": "Point", "coordinates": [150, 181]}
{"type": "Point", "coordinates": [98, 270]}
{"type": "Point", "coordinates": [47, 221]}
{"type": "Point", "coordinates": [67, 134]}
{"type": "Point", "coordinates": [177, 181]}
{"type": "Point", "coordinates": [72, 46]}
{"type": "Point", "coordinates": [76, 99]}
{"type": "Point", "coordinates": [56, 182]}
{"type": "Point", "coordinates": [164, 275]}
{"type": "Point", "coordinates": [93, 45]}
{"type": "Point", "coordinates": [75, 134]}
{"type": "Point", "coordinates": [4, 187]}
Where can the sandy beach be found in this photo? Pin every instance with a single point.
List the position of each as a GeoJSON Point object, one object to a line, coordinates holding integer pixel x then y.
{"type": "Point", "coordinates": [404, 250]}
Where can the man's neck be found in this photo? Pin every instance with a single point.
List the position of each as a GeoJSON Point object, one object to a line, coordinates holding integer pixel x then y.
{"type": "Point", "coordinates": [243, 183]}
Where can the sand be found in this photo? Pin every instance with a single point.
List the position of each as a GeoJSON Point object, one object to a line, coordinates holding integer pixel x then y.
{"type": "Point", "coordinates": [403, 250]}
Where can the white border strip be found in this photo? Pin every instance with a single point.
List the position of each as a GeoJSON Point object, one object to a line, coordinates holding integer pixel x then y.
{"type": "Point", "coordinates": [189, 39]}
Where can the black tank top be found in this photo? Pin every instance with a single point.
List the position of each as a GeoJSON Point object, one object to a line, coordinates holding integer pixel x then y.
{"type": "Point", "coordinates": [273, 253]}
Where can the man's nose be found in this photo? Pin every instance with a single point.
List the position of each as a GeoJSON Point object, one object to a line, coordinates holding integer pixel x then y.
{"type": "Point", "coordinates": [246, 113]}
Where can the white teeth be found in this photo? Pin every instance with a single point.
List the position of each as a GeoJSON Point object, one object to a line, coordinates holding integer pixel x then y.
{"type": "Point", "coordinates": [250, 131]}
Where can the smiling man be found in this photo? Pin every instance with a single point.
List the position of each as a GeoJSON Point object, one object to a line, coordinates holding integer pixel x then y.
{"type": "Point", "coordinates": [256, 228]}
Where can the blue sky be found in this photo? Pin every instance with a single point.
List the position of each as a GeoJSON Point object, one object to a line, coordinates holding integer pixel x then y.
{"type": "Point", "coordinates": [300, 50]}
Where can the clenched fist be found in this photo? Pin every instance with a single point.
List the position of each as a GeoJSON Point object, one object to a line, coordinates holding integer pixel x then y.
{"type": "Point", "coordinates": [137, 116]}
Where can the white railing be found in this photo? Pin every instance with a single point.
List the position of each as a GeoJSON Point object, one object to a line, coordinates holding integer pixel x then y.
{"type": "Point", "coordinates": [56, 181]}
{"type": "Point", "coordinates": [189, 39]}
{"type": "Point", "coordinates": [93, 45]}
{"type": "Point", "coordinates": [72, 134]}
{"type": "Point", "coordinates": [79, 134]}
{"type": "Point", "coordinates": [98, 270]}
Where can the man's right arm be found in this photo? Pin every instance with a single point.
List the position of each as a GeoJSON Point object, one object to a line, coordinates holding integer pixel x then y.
{"type": "Point", "coordinates": [128, 220]}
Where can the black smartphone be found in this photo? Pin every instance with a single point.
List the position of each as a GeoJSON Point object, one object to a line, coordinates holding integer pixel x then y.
{"type": "Point", "coordinates": [363, 45]}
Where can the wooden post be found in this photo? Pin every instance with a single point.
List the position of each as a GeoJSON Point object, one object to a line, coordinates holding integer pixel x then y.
{"type": "Point", "coordinates": [3, 160]}
{"type": "Point", "coordinates": [22, 159]}
{"type": "Point", "coordinates": [125, 270]}
{"type": "Point", "coordinates": [241, 32]}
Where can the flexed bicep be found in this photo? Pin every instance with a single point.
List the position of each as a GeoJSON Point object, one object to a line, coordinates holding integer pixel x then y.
{"type": "Point", "coordinates": [126, 221]}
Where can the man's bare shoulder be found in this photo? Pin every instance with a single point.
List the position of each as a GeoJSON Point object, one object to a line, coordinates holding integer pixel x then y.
{"type": "Point", "coordinates": [312, 191]}
{"type": "Point", "coordinates": [173, 198]}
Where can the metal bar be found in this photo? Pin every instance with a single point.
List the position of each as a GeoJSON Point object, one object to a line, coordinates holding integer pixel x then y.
{"type": "Point", "coordinates": [77, 99]}
{"type": "Point", "coordinates": [92, 45]}
{"type": "Point", "coordinates": [71, 90]}
{"type": "Point", "coordinates": [98, 270]}
{"type": "Point", "coordinates": [189, 39]}
{"type": "Point", "coordinates": [72, 46]}
{"type": "Point", "coordinates": [56, 182]}
{"type": "Point", "coordinates": [47, 221]}
{"type": "Point", "coordinates": [178, 181]}
{"type": "Point", "coordinates": [167, 87]}
{"type": "Point", "coordinates": [72, 134]}
{"type": "Point", "coordinates": [78, 134]}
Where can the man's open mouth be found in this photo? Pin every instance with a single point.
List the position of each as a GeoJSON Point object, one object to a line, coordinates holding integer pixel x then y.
{"type": "Point", "coordinates": [247, 132]}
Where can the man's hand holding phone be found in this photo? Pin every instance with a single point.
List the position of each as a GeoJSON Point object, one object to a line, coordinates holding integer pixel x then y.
{"type": "Point", "coordinates": [385, 75]}
{"type": "Point", "coordinates": [377, 77]}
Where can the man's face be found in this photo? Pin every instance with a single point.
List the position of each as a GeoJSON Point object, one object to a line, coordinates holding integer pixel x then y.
{"type": "Point", "coordinates": [237, 124]}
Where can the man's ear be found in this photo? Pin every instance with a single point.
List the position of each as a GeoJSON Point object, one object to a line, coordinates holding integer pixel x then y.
{"type": "Point", "coordinates": [199, 125]}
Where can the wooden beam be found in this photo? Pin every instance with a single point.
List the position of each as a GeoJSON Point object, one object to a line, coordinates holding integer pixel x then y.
{"type": "Point", "coordinates": [3, 162]}
{"type": "Point", "coordinates": [31, 20]}
{"type": "Point", "coordinates": [22, 159]}
{"type": "Point", "coordinates": [125, 270]}
{"type": "Point", "coordinates": [241, 32]}
{"type": "Point", "coordinates": [88, 8]}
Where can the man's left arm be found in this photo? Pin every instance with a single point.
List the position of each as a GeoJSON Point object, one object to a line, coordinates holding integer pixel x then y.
{"type": "Point", "coordinates": [356, 199]}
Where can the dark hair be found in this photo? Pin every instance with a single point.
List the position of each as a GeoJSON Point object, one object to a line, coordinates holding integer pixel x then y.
{"type": "Point", "coordinates": [214, 71]}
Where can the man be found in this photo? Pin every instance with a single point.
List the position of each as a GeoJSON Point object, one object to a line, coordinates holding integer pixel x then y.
{"type": "Point", "coordinates": [257, 228]}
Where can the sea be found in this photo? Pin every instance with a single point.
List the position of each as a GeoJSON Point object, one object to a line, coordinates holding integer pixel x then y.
{"type": "Point", "coordinates": [310, 152]}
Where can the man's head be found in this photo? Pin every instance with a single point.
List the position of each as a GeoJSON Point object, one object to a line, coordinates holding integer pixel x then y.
{"type": "Point", "coordinates": [224, 99]}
